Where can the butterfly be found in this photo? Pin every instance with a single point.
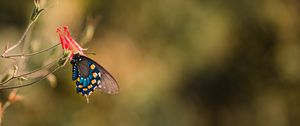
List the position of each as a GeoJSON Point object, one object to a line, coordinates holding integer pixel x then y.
{"type": "Point", "coordinates": [89, 76]}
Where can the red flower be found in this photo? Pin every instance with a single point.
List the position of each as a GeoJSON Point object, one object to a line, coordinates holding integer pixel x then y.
{"type": "Point", "coordinates": [67, 42]}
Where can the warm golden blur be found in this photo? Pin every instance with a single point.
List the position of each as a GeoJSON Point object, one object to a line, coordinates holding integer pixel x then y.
{"type": "Point", "coordinates": [178, 63]}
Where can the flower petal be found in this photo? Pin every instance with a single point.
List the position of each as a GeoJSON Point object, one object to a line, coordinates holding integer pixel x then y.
{"type": "Point", "coordinates": [67, 42]}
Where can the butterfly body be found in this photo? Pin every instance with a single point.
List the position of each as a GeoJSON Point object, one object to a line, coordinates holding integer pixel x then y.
{"type": "Point", "coordinates": [90, 76]}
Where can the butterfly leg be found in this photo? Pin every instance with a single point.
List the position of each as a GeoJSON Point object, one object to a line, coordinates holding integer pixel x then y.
{"type": "Point", "coordinates": [87, 98]}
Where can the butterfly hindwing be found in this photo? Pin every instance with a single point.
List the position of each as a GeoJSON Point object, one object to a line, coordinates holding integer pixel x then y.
{"type": "Point", "coordinates": [89, 75]}
{"type": "Point", "coordinates": [108, 82]}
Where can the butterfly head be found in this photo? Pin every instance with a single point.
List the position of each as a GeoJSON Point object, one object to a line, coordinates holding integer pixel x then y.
{"type": "Point", "coordinates": [76, 58]}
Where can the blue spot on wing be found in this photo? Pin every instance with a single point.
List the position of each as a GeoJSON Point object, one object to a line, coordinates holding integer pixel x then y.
{"type": "Point", "coordinates": [86, 85]}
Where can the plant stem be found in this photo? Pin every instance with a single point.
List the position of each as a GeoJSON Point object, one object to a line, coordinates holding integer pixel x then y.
{"type": "Point", "coordinates": [31, 54]}
{"type": "Point", "coordinates": [31, 72]}
{"type": "Point", "coordinates": [21, 39]}
{"type": "Point", "coordinates": [23, 85]}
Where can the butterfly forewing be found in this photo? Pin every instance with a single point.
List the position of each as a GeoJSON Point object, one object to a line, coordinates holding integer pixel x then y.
{"type": "Point", "coordinates": [83, 68]}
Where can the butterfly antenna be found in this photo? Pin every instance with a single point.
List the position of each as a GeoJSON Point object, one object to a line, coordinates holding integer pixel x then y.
{"type": "Point", "coordinates": [87, 99]}
{"type": "Point", "coordinates": [90, 53]}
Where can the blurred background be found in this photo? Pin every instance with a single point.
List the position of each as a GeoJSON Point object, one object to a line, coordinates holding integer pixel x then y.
{"type": "Point", "coordinates": [178, 62]}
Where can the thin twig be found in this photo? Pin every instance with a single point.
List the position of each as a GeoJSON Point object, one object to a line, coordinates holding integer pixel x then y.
{"type": "Point", "coordinates": [36, 70]}
{"type": "Point", "coordinates": [28, 73]}
{"type": "Point", "coordinates": [5, 106]}
{"type": "Point", "coordinates": [9, 101]}
{"type": "Point", "coordinates": [21, 39]}
{"type": "Point", "coordinates": [31, 54]}
{"type": "Point", "coordinates": [24, 85]}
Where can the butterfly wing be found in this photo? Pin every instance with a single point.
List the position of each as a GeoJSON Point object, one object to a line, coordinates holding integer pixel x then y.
{"type": "Point", "coordinates": [85, 81]}
{"type": "Point", "coordinates": [108, 82]}
{"type": "Point", "coordinates": [92, 75]}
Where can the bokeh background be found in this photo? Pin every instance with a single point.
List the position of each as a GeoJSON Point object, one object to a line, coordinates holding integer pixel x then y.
{"type": "Point", "coordinates": [178, 62]}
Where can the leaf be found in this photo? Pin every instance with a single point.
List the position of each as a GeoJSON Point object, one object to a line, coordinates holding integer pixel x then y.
{"type": "Point", "coordinates": [36, 13]}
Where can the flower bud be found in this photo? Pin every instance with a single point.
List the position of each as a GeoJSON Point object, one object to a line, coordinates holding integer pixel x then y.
{"type": "Point", "coordinates": [14, 97]}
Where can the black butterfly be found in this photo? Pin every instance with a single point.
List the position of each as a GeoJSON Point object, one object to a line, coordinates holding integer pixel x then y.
{"type": "Point", "coordinates": [89, 76]}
